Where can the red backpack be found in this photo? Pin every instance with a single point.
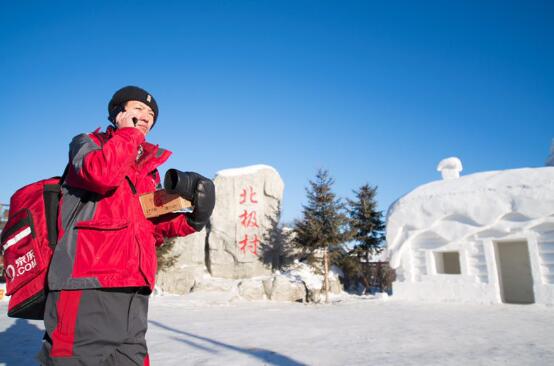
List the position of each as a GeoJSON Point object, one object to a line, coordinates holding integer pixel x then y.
{"type": "Point", "coordinates": [28, 241]}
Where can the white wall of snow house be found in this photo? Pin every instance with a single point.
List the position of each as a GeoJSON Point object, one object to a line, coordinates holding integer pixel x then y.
{"type": "Point", "coordinates": [494, 267]}
{"type": "Point", "coordinates": [540, 245]}
{"type": "Point", "coordinates": [541, 252]}
{"type": "Point", "coordinates": [472, 215]}
{"type": "Point", "coordinates": [418, 278]}
{"type": "Point", "coordinates": [479, 280]}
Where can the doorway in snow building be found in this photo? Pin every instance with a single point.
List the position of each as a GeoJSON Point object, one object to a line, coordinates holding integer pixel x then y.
{"type": "Point", "coordinates": [514, 272]}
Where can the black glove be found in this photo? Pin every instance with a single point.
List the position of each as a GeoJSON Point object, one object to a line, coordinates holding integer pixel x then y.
{"type": "Point", "coordinates": [197, 189]}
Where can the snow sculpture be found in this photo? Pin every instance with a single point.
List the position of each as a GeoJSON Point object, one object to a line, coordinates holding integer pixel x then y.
{"type": "Point", "coordinates": [450, 168]}
{"type": "Point", "coordinates": [462, 239]}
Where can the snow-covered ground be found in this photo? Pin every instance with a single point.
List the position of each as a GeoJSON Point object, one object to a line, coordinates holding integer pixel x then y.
{"type": "Point", "coordinates": [195, 330]}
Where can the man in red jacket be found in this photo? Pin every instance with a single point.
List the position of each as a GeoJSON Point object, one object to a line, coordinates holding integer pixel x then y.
{"type": "Point", "coordinates": [104, 265]}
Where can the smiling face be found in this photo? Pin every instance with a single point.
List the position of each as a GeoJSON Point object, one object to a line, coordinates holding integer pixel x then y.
{"type": "Point", "coordinates": [143, 113]}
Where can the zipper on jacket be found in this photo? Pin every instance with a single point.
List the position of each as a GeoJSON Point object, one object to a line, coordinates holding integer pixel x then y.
{"type": "Point", "coordinates": [133, 189]}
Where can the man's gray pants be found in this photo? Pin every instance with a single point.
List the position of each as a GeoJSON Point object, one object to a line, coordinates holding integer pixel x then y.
{"type": "Point", "coordinates": [96, 327]}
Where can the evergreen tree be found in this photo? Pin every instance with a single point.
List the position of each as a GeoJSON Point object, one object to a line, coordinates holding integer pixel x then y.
{"type": "Point", "coordinates": [321, 228]}
{"type": "Point", "coordinates": [276, 250]}
{"type": "Point", "coordinates": [366, 223]}
{"type": "Point", "coordinates": [166, 258]}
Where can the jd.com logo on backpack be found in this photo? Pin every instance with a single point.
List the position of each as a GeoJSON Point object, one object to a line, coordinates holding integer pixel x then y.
{"type": "Point", "coordinates": [23, 264]}
{"type": "Point", "coordinates": [28, 241]}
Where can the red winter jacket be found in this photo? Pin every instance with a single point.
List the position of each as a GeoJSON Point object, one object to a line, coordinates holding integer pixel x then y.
{"type": "Point", "coordinates": [105, 240]}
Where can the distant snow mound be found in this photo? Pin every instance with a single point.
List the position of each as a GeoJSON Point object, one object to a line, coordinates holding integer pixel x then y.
{"type": "Point", "coordinates": [305, 273]}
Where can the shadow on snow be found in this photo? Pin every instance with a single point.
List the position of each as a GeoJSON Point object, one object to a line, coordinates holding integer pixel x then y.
{"type": "Point", "coordinates": [20, 343]}
{"type": "Point", "coordinates": [267, 356]}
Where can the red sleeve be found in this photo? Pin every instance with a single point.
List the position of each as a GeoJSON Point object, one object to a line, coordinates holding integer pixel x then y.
{"type": "Point", "coordinates": [101, 168]}
{"type": "Point", "coordinates": [170, 226]}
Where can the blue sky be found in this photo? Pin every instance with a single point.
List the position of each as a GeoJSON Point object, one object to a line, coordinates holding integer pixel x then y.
{"type": "Point", "coordinates": [376, 92]}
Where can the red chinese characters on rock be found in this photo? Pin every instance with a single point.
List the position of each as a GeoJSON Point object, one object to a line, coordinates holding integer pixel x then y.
{"type": "Point", "coordinates": [249, 221]}
{"type": "Point", "coordinates": [250, 244]}
{"type": "Point", "coordinates": [250, 196]}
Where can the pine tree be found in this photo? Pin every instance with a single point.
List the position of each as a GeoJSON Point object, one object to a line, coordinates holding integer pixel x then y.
{"type": "Point", "coordinates": [366, 223]}
{"type": "Point", "coordinates": [322, 225]}
{"type": "Point", "coordinates": [276, 250]}
{"type": "Point", "coordinates": [166, 258]}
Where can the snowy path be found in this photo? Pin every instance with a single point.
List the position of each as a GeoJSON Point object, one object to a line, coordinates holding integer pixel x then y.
{"type": "Point", "coordinates": [183, 331]}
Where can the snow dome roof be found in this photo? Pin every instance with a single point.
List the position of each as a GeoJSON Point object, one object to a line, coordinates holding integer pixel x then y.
{"type": "Point", "coordinates": [489, 203]}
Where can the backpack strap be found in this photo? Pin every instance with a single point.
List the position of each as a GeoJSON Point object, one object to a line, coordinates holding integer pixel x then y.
{"type": "Point", "coordinates": [51, 195]}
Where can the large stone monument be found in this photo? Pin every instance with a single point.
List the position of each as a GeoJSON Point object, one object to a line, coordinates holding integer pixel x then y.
{"type": "Point", "coordinates": [228, 256]}
{"type": "Point", "coordinates": [247, 205]}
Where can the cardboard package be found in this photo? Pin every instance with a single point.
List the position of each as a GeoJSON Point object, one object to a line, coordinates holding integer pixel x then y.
{"type": "Point", "coordinates": [160, 202]}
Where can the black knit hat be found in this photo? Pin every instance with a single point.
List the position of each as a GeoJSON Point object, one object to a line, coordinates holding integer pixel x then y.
{"type": "Point", "coordinates": [126, 94]}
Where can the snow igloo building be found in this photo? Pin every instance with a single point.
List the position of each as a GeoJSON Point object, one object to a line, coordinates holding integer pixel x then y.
{"type": "Point", "coordinates": [484, 238]}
